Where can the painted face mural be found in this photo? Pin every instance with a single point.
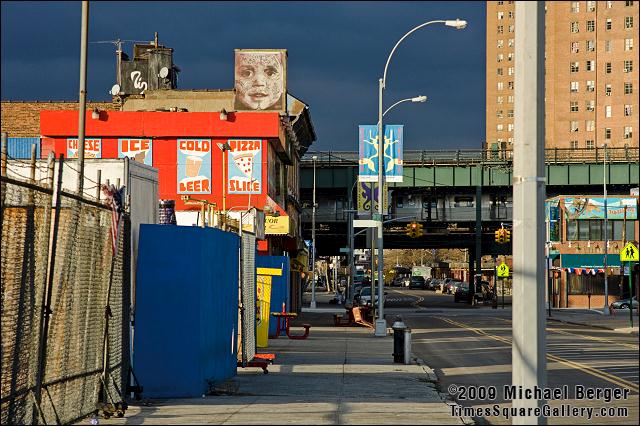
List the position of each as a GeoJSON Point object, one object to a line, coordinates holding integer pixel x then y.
{"type": "Point", "coordinates": [259, 80]}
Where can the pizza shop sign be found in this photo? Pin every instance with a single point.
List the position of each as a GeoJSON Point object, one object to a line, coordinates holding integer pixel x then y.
{"type": "Point", "coordinates": [244, 165]}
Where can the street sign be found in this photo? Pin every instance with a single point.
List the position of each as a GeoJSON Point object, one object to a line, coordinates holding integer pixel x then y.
{"type": "Point", "coordinates": [365, 223]}
{"type": "Point", "coordinates": [629, 253]}
{"type": "Point", "coordinates": [344, 250]}
{"type": "Point", "coordinates": [503, 270]}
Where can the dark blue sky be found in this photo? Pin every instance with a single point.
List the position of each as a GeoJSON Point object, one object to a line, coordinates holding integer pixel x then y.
{"type": "Point", "coordinates": [337, 53]}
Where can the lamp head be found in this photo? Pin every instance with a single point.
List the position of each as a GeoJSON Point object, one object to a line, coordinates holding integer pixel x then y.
{"type": "Point", "coordinates": [224, 146]}
{"type": "Point", "coordinates": [420, 98]}
{"type": "Point", "coordinates": [95, 114]}
{"type": "Point", "coordinates": [314, 158]}
{"type": "Point", "coordinates": [457, 24]}
{"type": "Point", "coordinates": [223, 115]}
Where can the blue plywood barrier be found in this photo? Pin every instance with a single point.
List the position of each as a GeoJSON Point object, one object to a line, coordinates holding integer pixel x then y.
{"type": "Point", "coordinates": [280, 285]}
{"type": "Point", "coordinates": [186, 309]}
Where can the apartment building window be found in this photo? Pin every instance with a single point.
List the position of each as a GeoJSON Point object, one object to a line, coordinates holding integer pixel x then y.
{"type": "Point", "coordinates": [607, 133]}
{"type": "Point", "coordinates": [574, 27]}
{"type": "Point", "coordinates": [500, 29]}
{"type": "Point", "coordinates": [511, 42]}
{"type": "Point", "coordinates": [511, 14]}
{"type": "Point", "coordinates": [575, 86]}
{"type": "Point", "coordinates": [628, 44]}
{"type": "Point", "coordinates": [628, 66]}
{"type": "Point", "coordinates": [628, 3]}
{"type": "Point", "coordinates": [500, 15]}
{"type": "Point", "coordinates": [499, 71]}
{"type": "Point", "coordinates": [608, 24]}
{"type": "Point", "coordinates": [510, 99]}
{"type": "Point", "coordinates": [591, 85]}
{"type": "Point", "coordinates": [607, 90]}
{"type": "Point", "coordinates": [590, 144]}
{"type": "Point", "coordinates": [607, 68]}
{"type": "Point", "coordinates": [591, 26]}
{"type": "Point", "coordinates": [575, 66]}
{"type": "Point", "coordinates": [511, 71]}
{"type": "Point", "coordinates": [510, 84]}
{"type": "Point", "coordinates": [510, 127]}
{"type": "Point", "coordinates": [574, 106]}
{"type": "Point", "coordinates": [628, 22]}
{"type": "Point", "coordinates": [500, 57]}
{"type": "Point", "coordinates": [575, 47]}
{"type": "Point", "coordinates": [591, 65]}
{"type": "Point", "coordinates": [608, 46]}
{"type": "Point", "coordinates": [500, 85]}
{"type": "Point", "coordinates": [511, 28]}
{"type": "Point", "coordinates": [591, 6]}
{"type": "Point", "coordinates": [628, 88]}
{"type": "Point", "coordinates": [591, 106]}
{"type": "Point", "coordinates": [500, 3]}
{"type": "Point", "coordinates": [609, 4]}
{"type": "Point", "coordinates": [499, 113]}
{"type": "Point", "coordinates": [575, 7]}
{"type": "Point", "coordinates": [510, 113]}
{"type": "Point", "coordinates": [628, 110]}
{"type": "Point", "coordinates": [510, 57]}
{"type": "Point", "coordinates": [591, 45]}
{"type": "Point", "coordinates": [628, 132]}
{"type": "Point", "coordinates": [590, 125]}
{"type": "Point", "coordinates": [499, 99]}
{"type": "Point", "coordinates": [573, 144]}
{"type": "Point", "coordinates": [607, 111]}
{"type": "Point", "coordinates": [500, 44]}
{"type": "Point", "coordinates": [510, 140]}
{"type": "Point", "coordinates": [573, 127]}
{"type": "Point", "coordinates": [500, 127]}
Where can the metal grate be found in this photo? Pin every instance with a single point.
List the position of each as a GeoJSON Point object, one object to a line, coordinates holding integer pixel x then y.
{"type": "Point", "coordinates": [248, 296]}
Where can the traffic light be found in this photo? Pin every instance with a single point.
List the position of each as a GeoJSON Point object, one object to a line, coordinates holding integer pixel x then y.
{"type": "Point", "coordinates": [507, 236]}
{"type": "Point", "coordinates": [498, 236]}
{"type": "Point", "coordinates": [414, 230]}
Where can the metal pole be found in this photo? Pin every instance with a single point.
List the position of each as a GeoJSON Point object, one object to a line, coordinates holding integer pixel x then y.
{"type": "Point", "coordinates": [529, 339]}
{"type": "Point", "coordinates": [313, 240]}
{"type": "Point", "coordinates": [605, 308]}
{"type": "Point", "coordinates": [629, 265]}
{"type": "Point", "coordinates": [83, 93]}
{"type": "Point", "coordinates": [381, 324]}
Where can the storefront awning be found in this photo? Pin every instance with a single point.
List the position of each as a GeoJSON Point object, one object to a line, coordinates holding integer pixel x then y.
{"type": "Point", "coordinates": [588, 260]}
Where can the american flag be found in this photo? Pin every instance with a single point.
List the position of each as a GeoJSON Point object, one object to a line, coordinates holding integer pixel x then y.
{"type": "Point", "coordinates": [115, 199]}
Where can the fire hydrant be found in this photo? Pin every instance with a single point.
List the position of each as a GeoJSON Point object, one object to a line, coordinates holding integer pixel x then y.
{"type": "Point", "coordinates": [399, 328]}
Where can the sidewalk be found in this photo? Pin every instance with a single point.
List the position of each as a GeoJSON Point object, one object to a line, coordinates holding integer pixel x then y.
{"type": "Point", "coordinates": [595, 318]}
{"type": "Point", "coordinates": [339, 375]}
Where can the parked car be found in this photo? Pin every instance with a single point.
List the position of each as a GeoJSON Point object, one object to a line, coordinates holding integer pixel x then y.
{"type": "Point", "coordinates": [450, 285]}
{"type": "Point", "coordinates": [418, 282]}
{"type": "Point", "coordinates": [363, 298]}
{"type": "Point", "coordinates": [624, 303]}
{"type": "Point", "coordinates": [483, 292]}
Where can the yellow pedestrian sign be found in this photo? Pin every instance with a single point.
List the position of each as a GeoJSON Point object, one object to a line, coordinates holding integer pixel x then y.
{"type": "Point", "coordinates": [629, 253]}
{"type": "Point", "coordinates": [503, 270]}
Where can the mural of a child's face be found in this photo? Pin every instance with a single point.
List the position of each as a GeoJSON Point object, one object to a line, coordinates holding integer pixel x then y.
{"type": "Point", "coordinates": [259, 80]}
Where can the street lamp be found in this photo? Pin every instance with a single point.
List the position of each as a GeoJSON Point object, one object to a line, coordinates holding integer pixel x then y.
{"type": "Point", "coordinates": [381, 324]}
{"type": "Point", "coordinates": [224, 147]}
{"type": "Point", "coordinates": [420, 98]}
{"type": "Point", "coordinates": [605, 308]}
{"type": "Point", "coordinates": [313, 238]}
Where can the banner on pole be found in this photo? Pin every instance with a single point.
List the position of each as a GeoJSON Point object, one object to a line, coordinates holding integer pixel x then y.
{"type": "Point", "coordinates": [368, 158]}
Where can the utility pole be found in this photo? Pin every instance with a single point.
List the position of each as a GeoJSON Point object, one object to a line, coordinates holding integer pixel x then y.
{"type": "Point", "coordinates": [313, 239]}
{"type": "Point", "coordinates": [83, 93]}
{"type": "Point", "coordinates": [528, 350]}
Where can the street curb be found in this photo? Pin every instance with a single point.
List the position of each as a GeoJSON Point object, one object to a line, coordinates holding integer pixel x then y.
{"type": "Point", "coordinates": [445, 397]}
{"type": "Point", "coordinates": [602, 327]}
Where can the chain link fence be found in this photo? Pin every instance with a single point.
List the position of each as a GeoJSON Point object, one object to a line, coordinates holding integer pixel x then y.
{"type": "Point", "coordinates": [61, 282]}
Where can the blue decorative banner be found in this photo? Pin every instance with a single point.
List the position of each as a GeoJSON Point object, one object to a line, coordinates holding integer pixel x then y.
{"type": "Point", "coordinates": [368, 160]}
{"type": "Point", "coordinates": [194, 166]}
{"type": "Point", "coordinates": [139, 150]}
{"type": "Point", "coordinates": [593, 208]}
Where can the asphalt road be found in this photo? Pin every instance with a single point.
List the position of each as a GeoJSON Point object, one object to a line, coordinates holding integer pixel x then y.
{"type": "Point", "coordinates": [472, 348]}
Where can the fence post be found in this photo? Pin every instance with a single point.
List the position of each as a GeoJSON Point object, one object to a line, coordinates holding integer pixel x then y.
{"type": "Point", "coordinates": [46, 295]}
{"type": "Point", "coordinates": [4, 165]}
{"type": "Point", "coordinates": [99, 182]}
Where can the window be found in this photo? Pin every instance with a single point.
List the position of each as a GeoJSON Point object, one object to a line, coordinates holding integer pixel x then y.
{"type": "Point", "coordinates": [607, 90]}
{"type": "Point", "coordinates": [511, 71]}
{"type": "Point", "coordinates": [575, 47]}
{"type": "Point", "coordinates": [511, 42]}
{"type": "Point", "coordinates": [500, 85]}
{"type": "Point", "coordinates": [591, 85]}
{"type": "Point", "coordinates": [575, 86]}
{"type": "Point", "coordinates": [628, 132]}
{"type": "Point", "coordinates": [609, 4]}
{"type": "Point", "coordinates": [500, 15]}
{"type": "Point", "coordinates": [607, 111]}
{"type": "Point", "coordinates": [608, 24]}
{"type": "Point", "coordinates": [591, 26]}
{"type": "Point", "coordinates": [575, 6]}
{"type": "Point", "coordinates": [499, 113]}
{"type": "Point", "coordinates": [591, 65]}
{"type": "Point", "coordinates": [574, 27]}
{"type": "Point", "coordinates": [511, 85]}
{"type": "Point", "coordinates": [575, 66]}
{"type": "Point", "coordinates": [499, 99]}
{"type": "Point", "coordinates": [573, 144]}
{"type": "Point", "coordinates": [595, 230]}
{"type": "Point", "coordinates": [510, 57]}
{"type": "Point", "coordinates": [573, 126]}
{"type": "Point", "coordinates": [628, 66]}
{"type": "Point", "coordinates": [574, 106]}
{"type": "Point", "coordinates": [591, 6]}
{"type": "Point", "coordinates": [628, 3]}
{"type": "Point", "coordinates": [628, 88]}
{"type": "Point", "coordinates": [628, 22]}
{"type": "Point", "coordinates": [607, 68]}
{"type": "Point", "coordinates": [500, 44]}
{"type": "Point", "coordinates": [607, 133]}
{"type": "Point", "coordinates": [500, 57]}
{"type": "Point", "coordinates": [590, 125]}
{"type": "Point", "coordinates": [510, 99]}
{"type": "Point", "coordinates": [590, 144]}
{"type": "Point", "coordinates": [511, 14]}
{"type": "Point", "coordinates": [628, 44]}
{"type": "Point", "coordinates": [628, 110]}
{"type": "Point", "coordinates": [510, 113]}
{"type": "Point", "coordinates": [500, 3]}
{"type": "Point", "coordinates": [591, 106]}
{"type": "Point", "coordinates": [608, 46]}
{"type": "Point", "coordinates": [511, 28]}
{"type": "Point", "coordinates": [500, 127]}
{"type": "Point", "coordinates": [500, 29]}
{"type": "Point", "coordinates": [499, 71]}
{"type": "Point", "coordinates": [591, 45]}
{"type": "Point", "coordinates": [510, 127]}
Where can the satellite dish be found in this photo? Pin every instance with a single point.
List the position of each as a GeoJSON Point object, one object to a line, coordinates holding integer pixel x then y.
{"type": "Point", "coordinates": [115, 90]}
{"type": "Point", "coordinates": [164, 72]}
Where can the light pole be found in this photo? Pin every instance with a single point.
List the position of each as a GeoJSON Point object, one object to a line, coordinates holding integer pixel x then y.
{"type": "Point", "coordinates": [381, 324]}
{"type": "Point", "coordinates": [605, 308]}
{"type": "Point", "coordinates": [313, 238]}
{"type": "Point", "coordinates": [224, 147]}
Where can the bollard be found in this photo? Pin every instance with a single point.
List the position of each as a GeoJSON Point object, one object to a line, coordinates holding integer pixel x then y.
{"type": "Point", "coordinates": [407, 346]}
{"type": "Point", "coordinates": [399, 328]}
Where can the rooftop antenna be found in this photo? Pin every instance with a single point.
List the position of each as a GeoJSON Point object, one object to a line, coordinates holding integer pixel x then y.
{"type": "Point", "coordinates": [155, 39]}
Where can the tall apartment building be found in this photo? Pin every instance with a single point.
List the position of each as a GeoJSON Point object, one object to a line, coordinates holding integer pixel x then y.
{"type": "Point", "coordinates": [591, 70]}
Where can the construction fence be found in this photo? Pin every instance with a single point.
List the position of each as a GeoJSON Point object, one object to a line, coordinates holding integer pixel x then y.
{"type": "Point", "coordinates": [65, 300]}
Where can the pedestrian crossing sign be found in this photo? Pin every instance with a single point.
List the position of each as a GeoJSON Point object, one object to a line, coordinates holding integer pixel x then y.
{"type": "Point", "coordinates": [503, 270]}
{"type": "Point", "coordinates": [629, 253]}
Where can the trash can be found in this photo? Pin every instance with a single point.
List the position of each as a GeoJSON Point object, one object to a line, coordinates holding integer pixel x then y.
{"type": "Point", "coordinates": [399, 328]}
